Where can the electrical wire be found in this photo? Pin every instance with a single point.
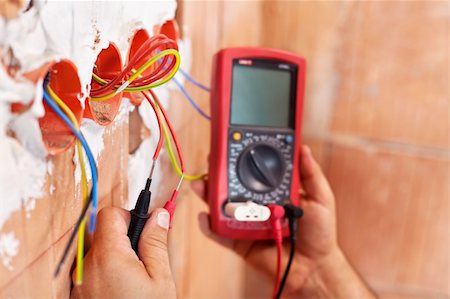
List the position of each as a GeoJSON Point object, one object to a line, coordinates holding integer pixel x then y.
{"type": "Point", "coordinates": [153, 45]}
{"type": "Point", "coordinates": [293, 213]}
{"type": "Point", "coordinates": [276, 215]}
{"type": "Point", "coordinates": [168, 60]}
{"type": "Point", "coordinates": [288, 268]}
{"type": "Point", "coordinates": [278, 269]}
{"type": "Point", "coordinates": [163, 64]}
{"type": "Point", "coordinates": [179, 169]}
{"type": "Point", "coordinates": [188, 96]}
{"type": "Point", "coordinates": [84, 186]}
{"type": "Point", "coordinates": [93, 195]}
{"type": "Point", "coordinates": [136, 74]}
{"type": "Point", "coordinates": [190, 99]}
{"type": "Point", "coordinates": [193, 81]}
{"type": "Point", "coordinates": [158, 119]}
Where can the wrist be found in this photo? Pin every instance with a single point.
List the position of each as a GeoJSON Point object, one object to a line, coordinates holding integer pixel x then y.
{"type": "Point", "coordinates": [330, 264]}
{"type": "Point", "coordinates": [324, 272]}
{"type": "Point", "coordinates": [334, 277]}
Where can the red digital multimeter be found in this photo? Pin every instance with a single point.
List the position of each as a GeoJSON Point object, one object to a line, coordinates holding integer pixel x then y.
{"type": "Point", "coordinates": [256, 117]}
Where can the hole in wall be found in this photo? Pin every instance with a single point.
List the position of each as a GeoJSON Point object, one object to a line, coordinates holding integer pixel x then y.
{"type": "Point", "coordinates": [64, 80]}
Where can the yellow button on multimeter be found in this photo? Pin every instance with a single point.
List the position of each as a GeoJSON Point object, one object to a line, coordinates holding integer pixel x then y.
{"type": "Point", "coordinates": [236, 136]}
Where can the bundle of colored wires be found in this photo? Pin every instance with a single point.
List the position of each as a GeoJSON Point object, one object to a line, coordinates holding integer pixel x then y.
{"type": "Point", "coordinates": [163, 64]}
{"type": "Point", "coordinates": [84, 184]}
{"type": "Point", "coordinates": [66, 115]}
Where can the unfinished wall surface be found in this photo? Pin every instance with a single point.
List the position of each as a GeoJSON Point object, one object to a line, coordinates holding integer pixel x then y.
{"type": "Point", "coordinates": [41, 194]}
{"type": "Point", "coordinates": [376, 117]}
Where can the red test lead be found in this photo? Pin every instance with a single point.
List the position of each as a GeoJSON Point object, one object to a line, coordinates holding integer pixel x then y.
{"type": "Point", "coordinates": [276, 216]}
{"type": "Point", "coordinates": [171, 204]}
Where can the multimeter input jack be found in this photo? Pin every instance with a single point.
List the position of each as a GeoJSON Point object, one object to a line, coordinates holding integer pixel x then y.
{"type": "Point", "coordinates": [247, 211]}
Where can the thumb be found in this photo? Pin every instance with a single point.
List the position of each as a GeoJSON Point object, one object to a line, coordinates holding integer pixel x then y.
{"type": "Point", "coordinates": [313, 180]}
{"type": "Point", "coordinates": [153, 245]}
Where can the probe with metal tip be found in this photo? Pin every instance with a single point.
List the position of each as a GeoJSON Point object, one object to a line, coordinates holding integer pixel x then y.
{"type": "Point", "coordinates": [171, 203]}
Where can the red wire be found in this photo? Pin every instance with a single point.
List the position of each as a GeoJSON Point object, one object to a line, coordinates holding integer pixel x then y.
{"type": "Point", "coordinates": [172, 132]}
{"type": "Point", "coordinates": [276, 215]}
{"type": "Point", "coordinates": [160, 140]}
{"type": "Point", "coordinates": [278, 273]}
{"type": "Point", "coordinates": [145, 50]}
{"type": "Point", "coordinates": [153, 45]}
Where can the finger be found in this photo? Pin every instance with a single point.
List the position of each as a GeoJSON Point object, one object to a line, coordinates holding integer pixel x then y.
{"type": "Point", "coordinates": [313, 180]}
{"type": "Point", "coordinates": [153, 245]}
{"type": "Point", "coordinates": [112, 223]}
{"type": "Point", "coordinates": [200, 188]}
{"type": "Point", "coordinates": [88, 238]}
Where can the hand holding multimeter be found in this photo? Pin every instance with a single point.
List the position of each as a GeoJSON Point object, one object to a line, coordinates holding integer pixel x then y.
{"type": "Point", "coordinates": [247, 189]}
{"type": "Point", "coordinates": [256, 113]}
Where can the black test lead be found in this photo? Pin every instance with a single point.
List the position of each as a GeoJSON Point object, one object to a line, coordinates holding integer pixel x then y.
{"type": "Point", "coordinates": [292, 213]}
{"type": "Point", "coordinates": [140, 215]}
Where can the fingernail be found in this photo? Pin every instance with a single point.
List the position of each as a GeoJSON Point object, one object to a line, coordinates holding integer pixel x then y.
{"type": "Point", "coordinates": [163, 219]}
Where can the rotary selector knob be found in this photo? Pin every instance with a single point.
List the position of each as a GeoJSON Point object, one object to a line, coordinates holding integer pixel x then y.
{"type": "Point", "coordinates": [260, 167]}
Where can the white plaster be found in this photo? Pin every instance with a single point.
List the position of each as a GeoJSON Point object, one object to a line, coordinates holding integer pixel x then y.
{"type": "Point", "coordinates": [138, 170]}
{"type": "Point", "coordinates": [50, 31]}
{"type": "Point", "coordinates": [185, 49]}
{"type": "Point", "coordinates": [50, 167]}
{"type": "Point", "coordinates": [93, 133]}
{"type": "Point", "coordinates": [125, 108]}
{"type": "Point", "coordinates": [52, 189]}
{"type": "Point", "coordinates": [22, 174]}
{"type": "Point", "coordinates": [15, 90]}
{"type": "Point", "coordinates": [9, 248]}
{"type": "Point", "coordinates": [26, 127]}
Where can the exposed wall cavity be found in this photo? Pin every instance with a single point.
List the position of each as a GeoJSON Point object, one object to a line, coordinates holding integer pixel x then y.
{"type": "Point", "coordinates": [50, 31]}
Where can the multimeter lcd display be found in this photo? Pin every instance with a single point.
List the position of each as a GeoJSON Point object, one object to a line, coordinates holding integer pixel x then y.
{"type": "Point", "coordinates": [262, 94]}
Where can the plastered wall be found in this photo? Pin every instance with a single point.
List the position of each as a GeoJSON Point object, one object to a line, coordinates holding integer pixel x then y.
{"type": "Point", "coordinates": [41, 194]}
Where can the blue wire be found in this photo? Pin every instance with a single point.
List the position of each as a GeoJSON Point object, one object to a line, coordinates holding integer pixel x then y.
{"type": "Point", "coordinates": [193, 81]}
{"type": "Point", "coordinates": [189, 98]}
{"type": "Point", "coordinates": [184, 91]}
{"type": "Point", "coordinates": [89, 155]}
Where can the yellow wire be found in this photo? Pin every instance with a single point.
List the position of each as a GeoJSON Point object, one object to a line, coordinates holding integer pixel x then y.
{"type": "Point", "coordinates": [172, 157]}
{"type": "Point", "coordinates": [139, 72]}
{"type": "Point", "coordinates": [84, 185]}
{"type": "Point", "coordinates": [135, 75]}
